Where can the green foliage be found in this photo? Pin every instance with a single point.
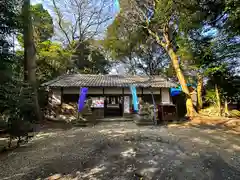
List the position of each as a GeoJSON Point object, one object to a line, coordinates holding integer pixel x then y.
{"type": "Point", "coordinates": [9, 19]}
{"type": "Point", "coordinates": [8, 25]}
{"type": "Point", "coordinates": [222, 68]}
{"type": "Point", "coordinates": [178, 19]}
{"type": "Point", "coordinates": [235, 113]}
{"type": "Point", "coordinates": [233, 10]}
{"type": "Point", "coordinates": [89, 59]}
{"type": "Point", "coordinates": [183, 15]}
{"type": "Point", "coordinates": [52, 60]}
{"type": "Point", "coordinates": [227, 81]}
{"type": "Point", "coordinates": [15, 96]}
{"type": "Point", "coordinates": [133, 47]}
{"type": "Point", "coordinates": [18, 96]}
{"type": "Point", "coordinates": [42, 24]}
{"type": "Point", "coordinates": [122, 39]}
{"type": "Point", "coordinates": [215, 57]}
{"type": "Point", "coordinates": [210, 97]}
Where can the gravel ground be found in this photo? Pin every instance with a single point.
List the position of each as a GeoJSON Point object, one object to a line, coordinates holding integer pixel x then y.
{"type": "Point", "coordinates": [123, 151]}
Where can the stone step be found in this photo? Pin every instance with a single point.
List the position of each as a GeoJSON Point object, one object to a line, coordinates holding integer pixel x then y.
{"type": "Point", "coordinates": [143, 122]}
{"type": "Point", "coordinates": [117, 119]}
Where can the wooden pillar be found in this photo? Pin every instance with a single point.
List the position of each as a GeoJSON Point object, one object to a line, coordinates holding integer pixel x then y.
{"type": "Point", "coordinates": [161, 95]}
{"type": "Point", "coordinates": [61, 95]}
{"type": "Point", "coordinates": [162, 113]}
{"type": "Point", "coordinates": [122, 102]}
{"type": "Point", "coordinates": [105, 104]}
{"type": "Point", "coordinates": [170, 97]}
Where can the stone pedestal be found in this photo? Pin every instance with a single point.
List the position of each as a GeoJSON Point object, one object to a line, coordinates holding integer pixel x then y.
{"type": "Point", "coordinates": [141, 119]}
{"type": "Point", "coordinates": [82, 122]}
{"type": "Point", "coordinates": [90, 118]}
{"type": "Point", "coordinates": [98, 113]}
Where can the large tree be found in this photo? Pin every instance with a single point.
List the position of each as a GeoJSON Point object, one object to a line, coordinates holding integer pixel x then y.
{"type": "Point", "coordinates": [81, 20]}
{"type": "Point", "coordinates": [78, 22]}
{"type": "Point", "coordinates": [30, 55]}
{"type": "Point", "coordinates": [16, 97]}
{"type": "Point", "coordinates": [211, 53]}
{"type": "Point", "coordinates": [165, 21]}
{"type": "Point", "coordinates": [120, 42]}
{"type": "Point", "coordinates": [223, 71]}
{"type": "Point", "coordinates": [140, 54]}
{"type": "Point", "coordinates": [8, 27]}
{"type": "Point", "coordinates": [88, 58]}
{"type": "Point", "coordinates": [231, 15]}
{"type": "Point", "coordinates": [42, 23]}
{"type": "Point", "coordinates": [52, 59]}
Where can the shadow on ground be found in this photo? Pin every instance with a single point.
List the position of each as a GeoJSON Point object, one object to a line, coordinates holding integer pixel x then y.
{"type": "Point", "coordinates": [134, 165]}
{"type": "Point", "coordinates": [124, 151]}
{"type": "Point", "coordinates": [144, 156]}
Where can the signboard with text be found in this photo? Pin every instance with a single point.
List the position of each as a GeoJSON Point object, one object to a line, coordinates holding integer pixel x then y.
{"type": "Point", "coordinates": [98, 102]}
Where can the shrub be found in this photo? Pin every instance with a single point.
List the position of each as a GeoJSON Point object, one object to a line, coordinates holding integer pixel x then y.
{"type": "Point", "coordinates": [235, 113]}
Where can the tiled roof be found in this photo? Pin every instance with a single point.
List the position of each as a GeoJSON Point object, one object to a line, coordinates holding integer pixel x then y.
{"type": "Point", "coordinates": [90, 80]}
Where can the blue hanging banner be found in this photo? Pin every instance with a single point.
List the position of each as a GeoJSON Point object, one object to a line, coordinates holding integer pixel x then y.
{"type": "Point", "coordinates": [82, 98]}
{"type": "Point", "coordinates": [134, 98]}
{"type": "Point", "coordinates": [176, 91]}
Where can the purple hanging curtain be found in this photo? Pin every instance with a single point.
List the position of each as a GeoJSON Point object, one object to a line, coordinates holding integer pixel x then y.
{"type": "Point", "coordinates": [82, 98]}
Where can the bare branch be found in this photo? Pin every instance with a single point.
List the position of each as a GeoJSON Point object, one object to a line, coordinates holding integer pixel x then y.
{"type": "Point", "coordinates": [74, 28]}
{"type": "Point", "coordinates": [59, 17]}
{"type": "Point", "coordinates": [83, 19]}
{"type": "Point", "coordinates": [156, 37]}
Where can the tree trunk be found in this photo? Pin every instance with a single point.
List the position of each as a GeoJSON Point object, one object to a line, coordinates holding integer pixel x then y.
{"type": "Point", "coordinates": [199, 91]}
{"type": "Point", "coordinates": [218, 100]}
{"type": "Point", "coordinates": [174, 58]}
{"type": "Point", "coordinates": [167, 45]}
{"type": "Point", "coordinates": [189, 103]}
{"type": "Point", "coordinates": [30, 56]}
{"type": "Point", "coordinates": [226, 111]}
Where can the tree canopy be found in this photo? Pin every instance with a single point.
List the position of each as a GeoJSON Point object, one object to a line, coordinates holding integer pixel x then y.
{"type": "Point", "coordinates": [188, 32]}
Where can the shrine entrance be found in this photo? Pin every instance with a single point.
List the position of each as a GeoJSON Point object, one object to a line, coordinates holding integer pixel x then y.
{"type": "Point", "coordinates": [113, 106]}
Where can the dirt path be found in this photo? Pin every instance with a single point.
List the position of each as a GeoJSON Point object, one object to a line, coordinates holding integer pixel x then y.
{"type": "Point", "coordinates": [123, 151]}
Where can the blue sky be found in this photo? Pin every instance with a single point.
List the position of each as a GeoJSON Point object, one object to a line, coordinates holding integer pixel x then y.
{"type": "Point", "coordinates": [209, 31]}
{"type": "Point", "coordinates": [47, 5]}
